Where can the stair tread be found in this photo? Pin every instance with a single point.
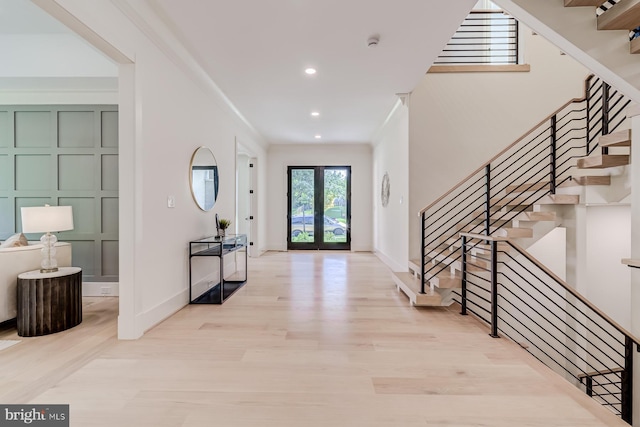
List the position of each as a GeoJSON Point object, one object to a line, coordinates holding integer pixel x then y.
{"type": "Point", "coordinates": [602, 161]}
{"type": "Point", "coordinates": [536, 216]}
{"type": "Point", "coordinates": [616, 139]}
{"type": "Point", "coordinates": [437, 260]}
{"type": "Point", "coordinates": [588, 180]}
{"type": "Point", "coordinates": [410, 285]}
{"type": "Point", "coordinates": [623, 16]}
{"type": "Point", "coordinates": [551, 199]}
{"type": "Point", "coordinates": [514, 232]}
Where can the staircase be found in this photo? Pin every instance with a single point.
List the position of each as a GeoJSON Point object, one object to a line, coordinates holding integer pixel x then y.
{"type": "Point", "coordinates": [621, 15]}
{"type": "Point", "coordinates": [579, 32]}
{"type": "Point", "coordinates": [516, 194]}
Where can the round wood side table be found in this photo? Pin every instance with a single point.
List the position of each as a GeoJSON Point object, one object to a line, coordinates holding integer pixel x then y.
{"type": "Point", "coordinates": [49, 302]}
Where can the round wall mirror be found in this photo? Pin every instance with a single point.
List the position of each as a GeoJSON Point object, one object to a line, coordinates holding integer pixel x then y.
{"type": "Point", "coordinates": [204, 178]}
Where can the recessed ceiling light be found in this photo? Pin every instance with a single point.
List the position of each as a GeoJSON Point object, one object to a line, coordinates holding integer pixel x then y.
{"type": "Point", "coordinates": [315, 113]}
{"type": "Point", "coordinates": [310, 71]}
{"type": "Point", "coordinates": [318, 136]}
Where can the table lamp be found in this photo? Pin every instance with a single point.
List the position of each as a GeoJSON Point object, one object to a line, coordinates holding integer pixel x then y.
{"type": "Point", "coordinates": [47, 219]}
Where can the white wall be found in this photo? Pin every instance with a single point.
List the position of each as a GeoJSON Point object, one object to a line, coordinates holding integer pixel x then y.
{"type": "Point", "coordinates": [458, 121]}
{"type": "Point", "coordinates": [52, 55]}
{"type": "Point", "coordinates": [551, 251]}
{"type": "Point", "coordinates": [167, 110]}
{"type": "Point", "coordinates": [391, 155]}
{"type": "Point", "coordinates": [607, 282]}
{"type": "Point", "coordinates": [358, 156]}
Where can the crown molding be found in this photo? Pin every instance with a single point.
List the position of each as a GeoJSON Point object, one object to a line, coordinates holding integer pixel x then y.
{"type": "Point", "coordinates": [153, 22]}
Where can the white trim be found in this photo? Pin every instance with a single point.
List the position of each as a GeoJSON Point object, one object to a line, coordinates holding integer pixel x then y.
{"type": "Point", "coordinates": [100, 289]}
{"type": "Point", "coordinates": [394, 266]}
{"type": "Point", "coordinates": [169, 41]}
{"type": "Point", "coordinates": [77, 26]}
{"type": "Point", "coordinates": [150, 318]}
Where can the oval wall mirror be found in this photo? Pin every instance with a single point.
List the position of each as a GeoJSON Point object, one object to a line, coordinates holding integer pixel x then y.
{"type": "Point", "coordinates": [204, 178]}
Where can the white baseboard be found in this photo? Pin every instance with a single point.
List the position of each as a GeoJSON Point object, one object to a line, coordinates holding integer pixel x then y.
{"type": "Point", "coordinates": [164, 310]}
{"type": "Point", "coordinates": [100, 289]}
{"type": "Point", "coordinates": [394, 266]}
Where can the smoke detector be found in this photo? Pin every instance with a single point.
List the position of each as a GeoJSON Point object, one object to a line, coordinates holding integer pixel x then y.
{"type": "Point", "coordinates": [373, 41]}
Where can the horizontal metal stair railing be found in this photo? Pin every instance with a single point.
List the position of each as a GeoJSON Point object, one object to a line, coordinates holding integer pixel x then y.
{"type": "Point", "coordinates": [527, 303]}
{"type": "Point", "coordinates": [546, 154]}
{"type": "Point", "coordinates": [526, 173]}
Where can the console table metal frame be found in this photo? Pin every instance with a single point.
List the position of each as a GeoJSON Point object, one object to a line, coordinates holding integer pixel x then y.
{"type": "Point", "coordinates": [217, 247]}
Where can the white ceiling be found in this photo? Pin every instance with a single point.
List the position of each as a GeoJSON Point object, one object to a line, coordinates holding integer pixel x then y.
{"type": "Point", "coordinates": [256, 52]}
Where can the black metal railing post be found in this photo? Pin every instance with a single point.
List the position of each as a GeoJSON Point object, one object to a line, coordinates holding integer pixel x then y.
{"type": "Point", "coordinates": [553, 155]}
{"type": "Point", "coordinates": [589, 385]}
{"type": "Point", "coordinates": [587, 93]}
{"type": "Point", "coordinates": [422, 250]}
{"type": "Point", "coordinates": [605, 112]}
{"type": "Point", "coordinates": [517, 41]}
{"type": "Point", "coordinates": [494, 289]}
{"type": "Point", "coordinates": [487, 201]}
{"type": "Point", "coordinates": [463, 291]}
{"type": "Point", "coordinates": [626, 377]}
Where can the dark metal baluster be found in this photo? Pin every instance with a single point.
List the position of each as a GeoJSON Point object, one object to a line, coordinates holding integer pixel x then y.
{"type": "Point", "coordinates": [422, 250]}
{"type": "Point", "coordinates": [494, 289]}
{"type": "Point", "coordinates": [587, 92]}
{"type": "Point", "coordinates": [627, 381]}
{"type": "Point", "coordinates": [517, 34]}
{"type": "Point", "coordinates": [463, 292]}
{"type": "Point", "coordinates": [552, 154]}
{"type": "Point", "coordinates": [605, 113]}
{"type": "Point", "coordinates": [589, 384]}
{"type": "Point", "coordinates": [487, 202]}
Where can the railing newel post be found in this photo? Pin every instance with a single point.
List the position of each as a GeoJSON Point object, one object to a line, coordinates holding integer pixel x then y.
{"type": "Point", "coordinates": [626, 378]}
{"type": "Point", "coordinates": [494, 289]}
{"type": "Point", "coordinates": [487, 202]}
{"type": "Point", "coordinates": [463, 292]}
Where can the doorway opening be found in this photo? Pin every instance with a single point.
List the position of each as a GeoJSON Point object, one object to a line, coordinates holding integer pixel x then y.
{"type": "Point", "coordinates": [319, 207]}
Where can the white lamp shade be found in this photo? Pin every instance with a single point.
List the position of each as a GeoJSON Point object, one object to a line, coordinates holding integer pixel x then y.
{"type": "Point", "coordinates": [43, 219]}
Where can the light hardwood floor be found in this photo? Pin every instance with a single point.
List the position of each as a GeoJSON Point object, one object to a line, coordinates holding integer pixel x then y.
{"type": "Point", "coordinates": [313, 339]}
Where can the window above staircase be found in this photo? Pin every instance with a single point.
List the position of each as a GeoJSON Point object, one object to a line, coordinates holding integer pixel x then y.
{"type": "Point", "coordinates": [487, 40]}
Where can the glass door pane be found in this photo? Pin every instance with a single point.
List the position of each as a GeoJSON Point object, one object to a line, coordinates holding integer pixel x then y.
{"type": "Point", "coordinates": [335, 205]}
{"type": "Point", "coordinates": [319, 207]}
{"type": "Point", "coordinates": [302, 196]}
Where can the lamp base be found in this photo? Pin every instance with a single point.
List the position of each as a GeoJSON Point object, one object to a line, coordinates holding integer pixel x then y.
{"type": "Point", "coordinates": [49, 263]}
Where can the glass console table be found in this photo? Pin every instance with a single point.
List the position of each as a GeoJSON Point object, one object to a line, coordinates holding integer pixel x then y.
{"type": "Point", "coordinates": [205, 290]}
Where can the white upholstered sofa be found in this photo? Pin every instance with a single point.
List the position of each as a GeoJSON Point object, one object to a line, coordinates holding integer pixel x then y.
{"type": "Point", "coordinates": [16, 260]}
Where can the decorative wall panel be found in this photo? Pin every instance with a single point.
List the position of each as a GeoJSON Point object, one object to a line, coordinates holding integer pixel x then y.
{"type": "Point", "coordinates": [33, 129]}
{"type": "Point", "coordinates": [76, 172]}
{"type": "Point", "coordinates": [4, 129]}
{"type": "Point", "coordinates": [76, 129]}
{"type": "Point", "coordinates": [64, 155]}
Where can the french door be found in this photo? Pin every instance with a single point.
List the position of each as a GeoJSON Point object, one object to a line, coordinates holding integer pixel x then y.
{"type": "Point", "coordinates": [319, 207]}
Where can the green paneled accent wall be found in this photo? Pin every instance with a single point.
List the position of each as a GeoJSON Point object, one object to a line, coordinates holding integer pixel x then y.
{"type": "Point", "coordinates": [65, 155]}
